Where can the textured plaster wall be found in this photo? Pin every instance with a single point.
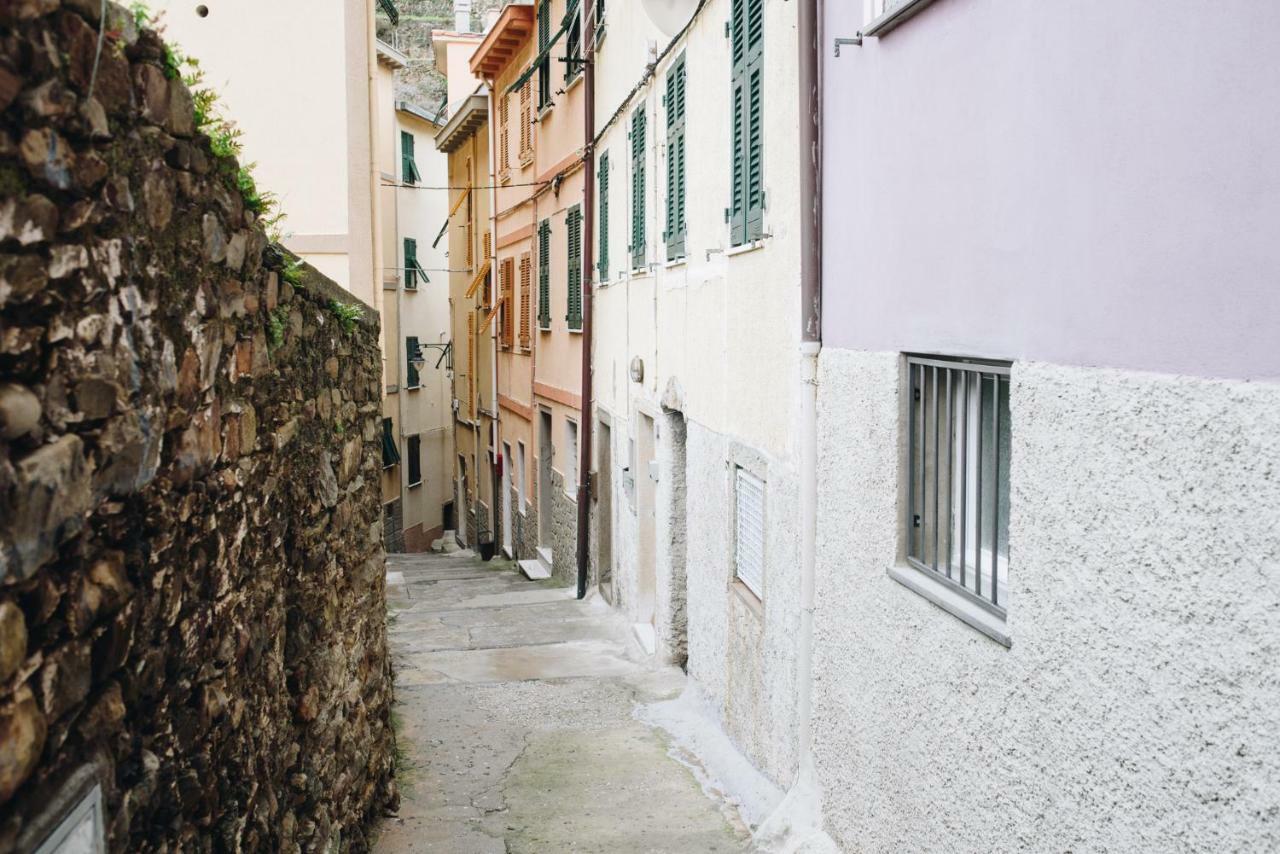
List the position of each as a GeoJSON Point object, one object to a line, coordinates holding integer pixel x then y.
{"type": "Point", "coordinates": [1136, 709]}
{"type": "Point", "coordinates": [1061, 196]}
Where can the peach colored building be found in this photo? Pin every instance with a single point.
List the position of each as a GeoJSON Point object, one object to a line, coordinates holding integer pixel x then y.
{"type": "Point", "coordinates": [536, 100]}
{"type": "Point", "coordinates": [465, 140]}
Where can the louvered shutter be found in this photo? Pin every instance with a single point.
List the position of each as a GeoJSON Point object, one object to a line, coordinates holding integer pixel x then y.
{"type": "Point", "coordinates": [410, 263]}
{"type": "Point", "coordinates": [509, 303]}
{"type": "Point", "coordinates": [738, 97]}
{"type": "Point", "coordinates": [603, 263]}
{"type": "Point", "coordinates": [637, 188]}
{"type": "Point", "coordinates": [504, 133]}
{"type": "Point", "coordinates": [411, 374]}
{"type": "Point", "coordinates": [526, 120]}
{"type": "Point", "coordinates": [471, 364]}
{"type": "Point", "coordinates": [675, 160]}
{"type": "Point", "coordinates": [544, 67]}
{"type": "Point", "coordinates": [544, 274]}
{"type": "Point", "coordinates": [526, 298]}
{"type": "Point", "coordinates": [574, 222]}
{"type": "Point", "coordinates": [408, 166]}
{"type": "Point", "coordinates": [754, 143]}
{"type": "Point", "coordinates": [749, 525]}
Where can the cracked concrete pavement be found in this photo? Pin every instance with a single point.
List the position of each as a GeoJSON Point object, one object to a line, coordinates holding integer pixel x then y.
{"type": "Point", "coordinates": [515, 704]}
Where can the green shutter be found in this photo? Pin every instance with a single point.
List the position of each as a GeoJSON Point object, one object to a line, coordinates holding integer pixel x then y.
{"type": "Point", "coordinates": [544, 274]}
{"type": "Point", "coordinates": [746, 211]}
{"type": "Point", "coordinates": [544, 67]}
{"type": "Point", "coordinates": [573, 221]}
{"type": "Point", "coordinates": [637, 188]}
{"type": "Point", "coordinates": [408, 166]}
{"type": "Point", "coordinates": [603, 223]}
{"type": "Point", "coordinates": [572, 42]}
{"type": "Point", "coordinates": [676, 224]}
{"type": "Point", "coordinates": [410, 263]}
{"type": "Point", "coordinates": [411, 350]}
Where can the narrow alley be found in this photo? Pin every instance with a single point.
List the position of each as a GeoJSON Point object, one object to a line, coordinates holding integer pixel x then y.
{"type": "Point", "coordinates": [518, 731]}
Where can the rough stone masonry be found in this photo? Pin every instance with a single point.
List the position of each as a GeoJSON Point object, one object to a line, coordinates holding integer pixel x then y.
{"type": "Point", "coordinates": [192, 612]}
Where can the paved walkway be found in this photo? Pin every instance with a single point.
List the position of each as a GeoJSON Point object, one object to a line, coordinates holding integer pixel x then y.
{"type": "Point", "coordinates": [515, 705]}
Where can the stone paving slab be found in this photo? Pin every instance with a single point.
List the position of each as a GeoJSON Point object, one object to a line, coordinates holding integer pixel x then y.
{"type": "Point", "coordinates": [515, 704]}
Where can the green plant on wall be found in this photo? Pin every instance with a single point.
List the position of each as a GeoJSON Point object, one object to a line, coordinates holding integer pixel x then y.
{"type": "Point", "coordinates": [348, 314]}
{"type": "Point", "coordinates": [276, 323]}
{"type": "Point", "coordinates": [292, 272]}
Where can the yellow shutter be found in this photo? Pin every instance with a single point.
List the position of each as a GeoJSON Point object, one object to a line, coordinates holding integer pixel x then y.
{"type": "Point", "coordinates": [471, 364]}
{"type": "Point", "coordinates": [507, 301]}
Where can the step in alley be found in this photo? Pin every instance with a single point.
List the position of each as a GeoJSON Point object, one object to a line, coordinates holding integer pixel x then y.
{"type": "Point", "coordinates": [516, 709]}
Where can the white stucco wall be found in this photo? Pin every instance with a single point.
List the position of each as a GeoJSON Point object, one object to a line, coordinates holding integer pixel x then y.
{"type": "Point", "coordinates": [722, 328]}
{"type": "Point", "coordinates": [1137, 708]}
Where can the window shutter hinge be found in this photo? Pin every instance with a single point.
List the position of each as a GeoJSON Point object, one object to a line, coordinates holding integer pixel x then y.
{"type": "Point", "coordinates": [728, 29]}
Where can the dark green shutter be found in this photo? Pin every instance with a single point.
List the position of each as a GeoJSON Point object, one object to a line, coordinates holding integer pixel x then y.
{"type": "Point", "coordinates": [544, 67]}
{"type": "Point", "coordinates": [746, 212]}
{"type": "Point", "coordinates": [410, 263]}
{"type": "Point", "coordinates": [544, 274]}
{"type": "Point", "coordinates": [411, 350]}
{"type": "Point", "coordinates": [390, 453]}
{"type": "Point", "coordinates": [603, 225]}
{"type": "Point", "coordinates": [413, 450]}
{"type": "Point", "coordinates": [408, 166]}
{"type": "Point", "coordinates": [573, 221]}
{"type": "Point", "coordinates": [676, 224]}
{"type": "Point", "coordinates": [637, 188]}
{"type": "Point", "coordinates": [572, 41]}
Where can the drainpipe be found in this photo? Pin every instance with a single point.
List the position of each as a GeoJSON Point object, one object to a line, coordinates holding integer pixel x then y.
{"type": "Point", "coordinates": [492, 180]}
{"type": "Point", "coordinates": [798, 820]}
{"type": "Point", "coordinates": [588, 261]}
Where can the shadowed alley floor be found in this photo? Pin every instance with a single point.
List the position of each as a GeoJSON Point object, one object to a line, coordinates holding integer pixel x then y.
{"type": "Point", "coordinates": [515, 706]}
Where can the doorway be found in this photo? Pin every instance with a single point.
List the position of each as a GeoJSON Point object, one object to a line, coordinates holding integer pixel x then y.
{"type": "Point", "coordinates": [545, 451]}
{"type": "Point", "coordinates": [646, 569]}
{"type": "Point", "coordinates": [506, 500]}
{"type": "Point", "coordinates": [604, 510]}
{"type": "Point", "coordinates": [462, 501]}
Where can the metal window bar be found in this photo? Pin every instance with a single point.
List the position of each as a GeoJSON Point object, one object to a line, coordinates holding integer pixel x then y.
{"type": "Point", "coordinates": [958, 475]}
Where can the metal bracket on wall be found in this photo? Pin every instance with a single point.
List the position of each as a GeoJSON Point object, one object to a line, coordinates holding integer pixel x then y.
{"type": "Point", "coordinates": [856, 40]}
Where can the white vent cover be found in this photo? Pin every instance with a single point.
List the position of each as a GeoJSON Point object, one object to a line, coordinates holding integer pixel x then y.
{"type": "Point", "coordinates": [749, 558]}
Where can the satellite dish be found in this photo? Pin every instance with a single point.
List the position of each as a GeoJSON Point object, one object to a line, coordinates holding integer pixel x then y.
{"type": "Point", "coordinates": [670, 15]}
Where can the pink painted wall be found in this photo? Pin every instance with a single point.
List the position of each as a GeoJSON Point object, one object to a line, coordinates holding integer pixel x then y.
{"type": "Point", "coordinates": [1089, 184]}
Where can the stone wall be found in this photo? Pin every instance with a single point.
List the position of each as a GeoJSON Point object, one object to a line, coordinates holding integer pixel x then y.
{"type": "Point", "coordinates": [191, 562]}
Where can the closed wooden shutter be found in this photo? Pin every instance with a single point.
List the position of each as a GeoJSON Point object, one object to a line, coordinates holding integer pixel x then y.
{"type": "Point", "coordinates": [508, 303]}
{"type": "Point", "coordinates": [675, 160]}
{"type": "Point", "coordinates": [602, 265]}
{"type": "Point", "coordinates": [413, 451]}
{"type": "Point", "coordinates": [526, 300]}
{"type": "Point", "coordinates": [471, 363]}
{"type": "Point", "coordinates": [408, 166]}
{"type": "Point", "coordinates": [487, 299]}
{"type": "Point", "coordinates": [746, 213]}
{"type": "Point", "coordinates": [504, 134]}
{"type": "Point", "coordinates": [526, 121]}
{"type": "Point", "coordinates": [749, 527]}
{"type": "Point", "coordinates": [470, 229]}
{"type": "Point", "coordinates": [573, 221]}
{"type": "Point", "coordinates": [637, 188]}
{"type": "Point", "coordinates": [544, 274]}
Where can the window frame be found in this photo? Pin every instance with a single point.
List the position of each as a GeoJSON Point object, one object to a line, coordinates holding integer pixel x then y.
{"type": "Point", "coordinates": [639, 237]}
{"type": "Point", "coordinates": [744, 476]}
{"type": "Point", "coordinates": [409, 173]}
{"type": "Point", "coordinates": [677, 220]}
{"type": "Point", "coordinates": [571, 438]}
{"type": "Point", "coordinates": [925, 411]}
{"type": "Point", "coordinates": [410, 344]}
{"type": "Point", "coordinates": [413, 460]}
{"type": "Point", "coordinates": [573, 273]}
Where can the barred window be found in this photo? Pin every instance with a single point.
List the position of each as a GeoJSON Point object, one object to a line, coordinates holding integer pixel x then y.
{"type": "Point", "coordinates": [957, 516]}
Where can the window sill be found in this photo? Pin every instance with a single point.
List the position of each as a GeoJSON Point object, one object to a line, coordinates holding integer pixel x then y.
{"type": "Point", "coordinates": [678, 262]}
{"type": "Point", "coordinates": [638, 272]}
{"type": "Point", "coordinates": [412, 387]}
{"type": "Point", "coordinates": [412, 485]}
{"type": "Point", "coordinates": [889, 20]}
{"type": "Point", "coordinates": [573, 331]}
{"type": "Point", "coordinates": [748, 597]}
{"type": "Point", "coordinates": [744, 248]}
{"type": "Point", "coordinates": [954, 603]}
{"type": "Point", "coordinates": [526, 158]}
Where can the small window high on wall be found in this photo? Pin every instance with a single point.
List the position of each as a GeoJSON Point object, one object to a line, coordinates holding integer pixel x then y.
{"type": "Point", "coordinates": [749, 531]}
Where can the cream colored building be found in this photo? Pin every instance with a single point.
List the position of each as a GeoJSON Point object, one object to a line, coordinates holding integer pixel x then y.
{"type": "Point", "coordinates": [297, 77]}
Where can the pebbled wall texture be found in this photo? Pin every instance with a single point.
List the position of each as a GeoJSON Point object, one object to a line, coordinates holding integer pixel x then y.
{"type": "Point", "coordinates": [1136, 709]}
{"type": "Point", "coordinates": [192, 611]}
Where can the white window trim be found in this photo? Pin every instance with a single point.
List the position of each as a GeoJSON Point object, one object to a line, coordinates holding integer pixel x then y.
{"type": "Point", "coordinates": [754, 585]}
{"type": "Point", "coordinates": [951, 600]}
